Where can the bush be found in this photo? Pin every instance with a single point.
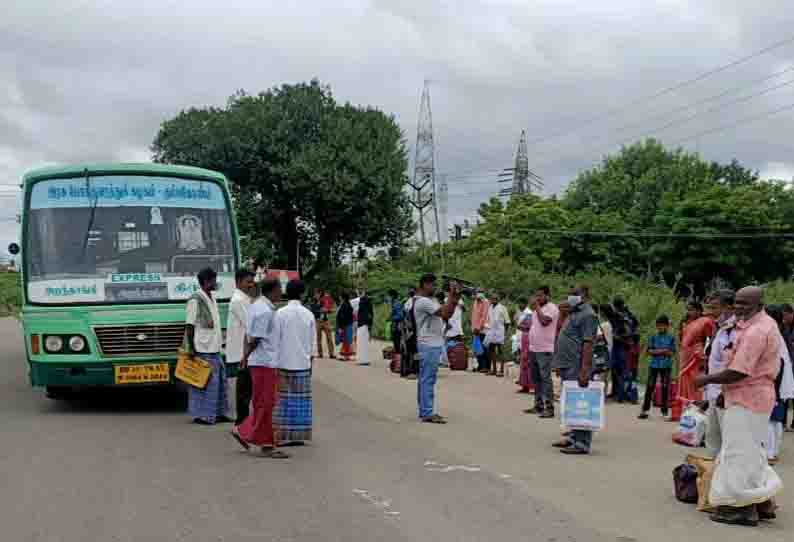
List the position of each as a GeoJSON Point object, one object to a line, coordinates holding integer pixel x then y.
{"type": "Point", "coordinates": [10, 294]}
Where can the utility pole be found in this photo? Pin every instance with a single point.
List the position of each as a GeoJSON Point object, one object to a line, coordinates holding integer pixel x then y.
{"type": "Point", "coordinates": [441, 222]}
{"type": "Point", "coordinates": [424, 178]}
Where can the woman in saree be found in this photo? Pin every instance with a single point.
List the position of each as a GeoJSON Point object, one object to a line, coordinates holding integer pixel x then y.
{"type": "Point", "coordinates": [694, 337]}
{"type": "Point", "coordinates": [344, 327]}
{"type": "Point", "coordinates": [523, 321]}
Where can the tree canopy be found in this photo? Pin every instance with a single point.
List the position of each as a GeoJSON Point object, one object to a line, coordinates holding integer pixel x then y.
{"type": "Point", "coordinates": [311, 178]}
{"type": "Point", "coordinates": [635, 213]}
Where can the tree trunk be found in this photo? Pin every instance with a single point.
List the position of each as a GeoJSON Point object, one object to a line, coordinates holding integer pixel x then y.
{"type": "Point", "coordinates": [323, 262]}
{"type": "Point", "coordinates": [287, 235]}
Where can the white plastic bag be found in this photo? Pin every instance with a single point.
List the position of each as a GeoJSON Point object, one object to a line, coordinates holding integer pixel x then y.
{"type": "Point", "coordinates": [516, 344]}
{"type": "Point", "coordinates": [691, 427]}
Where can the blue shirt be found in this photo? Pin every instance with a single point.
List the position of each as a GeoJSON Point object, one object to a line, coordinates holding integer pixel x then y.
{"type": "Point", "coordinates": [261, 316]}
{"type": "Point", "coordinates": [397, 311]}
{"type": "Point", "coordinates": [661, 342]}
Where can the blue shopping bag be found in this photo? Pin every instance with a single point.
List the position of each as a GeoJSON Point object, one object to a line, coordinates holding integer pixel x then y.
{"type": "Point", "coordinates": [477, 346]}
{"type": "Point", "coordinates": [582, 408]}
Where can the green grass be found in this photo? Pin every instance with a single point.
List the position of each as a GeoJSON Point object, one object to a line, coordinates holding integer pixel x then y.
{"type": "Point", "coordinates": [10, 294]}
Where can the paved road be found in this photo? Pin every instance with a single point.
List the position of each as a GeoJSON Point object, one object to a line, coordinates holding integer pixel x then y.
{"type": "Point", "coordinates": [129, 467]}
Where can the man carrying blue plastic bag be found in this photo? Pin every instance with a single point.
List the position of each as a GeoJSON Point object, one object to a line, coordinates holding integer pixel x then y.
{"type": "Point", "coordinates": [574, 359]}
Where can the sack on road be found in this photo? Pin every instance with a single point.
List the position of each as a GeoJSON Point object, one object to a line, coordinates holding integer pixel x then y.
{"type": "Point", "coordinates": [685, 483]}
{"type": "Point", "coordinates": [705, 470]}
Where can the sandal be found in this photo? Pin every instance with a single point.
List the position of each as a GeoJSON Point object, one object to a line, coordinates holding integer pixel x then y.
{"type": "Point", "coordinates": [573, 450]}
{"type": "Point", "coordinates": [274, 453]}
{"type": "Point", "coordinates": [236, 436]}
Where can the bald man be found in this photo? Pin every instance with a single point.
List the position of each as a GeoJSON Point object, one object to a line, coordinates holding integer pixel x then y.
{"type": "Point", "coordinates": [744, 484]}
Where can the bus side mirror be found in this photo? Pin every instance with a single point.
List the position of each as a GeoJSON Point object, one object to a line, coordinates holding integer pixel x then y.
{"type": "Point", "coordinates": [13, 249]}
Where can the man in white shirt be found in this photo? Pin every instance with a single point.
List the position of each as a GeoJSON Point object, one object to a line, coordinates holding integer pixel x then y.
{"type": "Point", "coordinates": [294, 334]}
{"type": "Point", "coordinates": [236, 325]}
{"type": "Point", "coordinates": [204, 340]}
{"type": "Point", "coordinates": [722, 307]}
{"type": "Point", "coordinates": [455, 325]}
{"type": "Point", "coordinates": [260, 358]}
{"type": "Point", "coordinates": [498, 322]}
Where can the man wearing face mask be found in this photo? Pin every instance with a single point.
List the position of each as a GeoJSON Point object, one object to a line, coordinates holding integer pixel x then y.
{"type": "Point", "coordinates": [574, 359]}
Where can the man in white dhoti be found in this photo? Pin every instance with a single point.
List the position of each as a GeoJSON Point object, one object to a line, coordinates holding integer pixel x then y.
{"type": "Point", "coordinates": [744, 484]}
{"type": "Point", "coordinates": [365, 319]}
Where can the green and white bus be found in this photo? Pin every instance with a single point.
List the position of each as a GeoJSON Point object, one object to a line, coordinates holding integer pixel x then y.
{"type": "Point", "coordinates": [109, 256]}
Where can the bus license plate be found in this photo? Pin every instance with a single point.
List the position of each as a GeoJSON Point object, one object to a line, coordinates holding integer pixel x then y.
{"type": "Point", "coordinates": [142, 374]}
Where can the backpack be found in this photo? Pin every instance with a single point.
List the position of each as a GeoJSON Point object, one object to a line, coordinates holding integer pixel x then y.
{"type": "Point", "coordinates": [601, 352]}
{"type": "Point", "coordinates": [409, 333]}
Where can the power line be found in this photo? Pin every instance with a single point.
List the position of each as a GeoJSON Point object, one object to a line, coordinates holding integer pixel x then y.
{"type": "Point", "coordinates": [477, 177]}
{"type": "Point", "coordinates": [666, 114]}
{"type": "Point", "coordinates": [667, 90]}
{"type": "Point", "coordinates": [675, 123]}
{"type": "Point", "coordinates": [744, 120]}
{"type": "Point", "coordinates": [649, 234]}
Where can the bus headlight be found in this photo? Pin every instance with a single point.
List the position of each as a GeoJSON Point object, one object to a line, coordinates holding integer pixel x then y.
{"type": "Point", "coordinates": [53, 343]}
{"type": "Point", "coordinates": [76, 343]}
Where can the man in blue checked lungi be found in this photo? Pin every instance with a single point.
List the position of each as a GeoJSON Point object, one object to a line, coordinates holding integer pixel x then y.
{"type": "Point", "coordinates": [203, 332]}
{"type": "Point", "coordinates": [294, 335]}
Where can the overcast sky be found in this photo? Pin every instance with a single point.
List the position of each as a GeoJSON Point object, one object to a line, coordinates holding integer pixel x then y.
{"type": "Point", "coordinates": [92, 80]}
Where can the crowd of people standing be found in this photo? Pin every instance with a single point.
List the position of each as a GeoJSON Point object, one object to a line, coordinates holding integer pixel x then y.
{"type": "Point", "coordinates": [737, 348]}
{"type": "Point", "coordinates": [734, 358]}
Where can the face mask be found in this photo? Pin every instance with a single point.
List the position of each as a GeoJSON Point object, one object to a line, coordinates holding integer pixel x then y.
{"type": "Point", "coordinates": [574, 300]}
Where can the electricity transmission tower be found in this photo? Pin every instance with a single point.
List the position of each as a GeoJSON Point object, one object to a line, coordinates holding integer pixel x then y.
{"type": "Point", "coordinates": [521, 172]}
{"type": "Point", "coordinates": [424, 197]}
{"type": "Point", "coordinates": [523, 180]}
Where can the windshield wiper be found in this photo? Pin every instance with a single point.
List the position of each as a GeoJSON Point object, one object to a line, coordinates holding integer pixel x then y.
{"type": "Point", "coordinates": [90, 227]}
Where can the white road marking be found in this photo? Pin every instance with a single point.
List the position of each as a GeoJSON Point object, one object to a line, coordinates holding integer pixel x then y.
{"type": "Point", "coordinates": [377, 502]}
{"type": "Point", "coordinates": [434, 466]}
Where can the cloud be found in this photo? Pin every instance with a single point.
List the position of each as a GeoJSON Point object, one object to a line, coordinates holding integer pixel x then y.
{"type": "Point", "coordinates": [92, 81]}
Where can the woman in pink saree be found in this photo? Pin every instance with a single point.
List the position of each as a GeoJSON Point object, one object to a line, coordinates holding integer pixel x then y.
{"type": "Point", "coordinates": [694, 337]}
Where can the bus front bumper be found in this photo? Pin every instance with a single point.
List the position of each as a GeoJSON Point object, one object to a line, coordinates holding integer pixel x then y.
{"type": "Point", "coordinates": [77, 375]}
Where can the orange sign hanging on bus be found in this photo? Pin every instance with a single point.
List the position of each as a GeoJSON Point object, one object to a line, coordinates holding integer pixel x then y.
{"type": "Point", "coordinates": [283, 276]}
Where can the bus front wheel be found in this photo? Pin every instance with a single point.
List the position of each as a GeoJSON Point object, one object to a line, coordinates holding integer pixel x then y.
{"type": "Point", "coordinates": [58, 392]}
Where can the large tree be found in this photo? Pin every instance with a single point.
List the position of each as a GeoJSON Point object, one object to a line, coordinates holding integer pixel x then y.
{"type": "Point", "coordinates": [618, 217]}
{"type": "Point", "coordinates": [311, 178]}
{"type": "Point", "coordinates": [756, 211]}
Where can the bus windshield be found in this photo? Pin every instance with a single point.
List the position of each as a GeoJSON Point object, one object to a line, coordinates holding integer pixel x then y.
{"type": "Point", "coordinates": [125, 238]}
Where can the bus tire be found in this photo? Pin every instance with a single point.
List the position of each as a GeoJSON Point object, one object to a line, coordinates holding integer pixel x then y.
{"type": "Point", "coordinates": [58, 393]}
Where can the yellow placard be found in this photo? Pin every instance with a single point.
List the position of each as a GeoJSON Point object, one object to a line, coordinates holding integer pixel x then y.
{"type": "Point", "coordinates": [192, 370]}
{"type": "Point", "coordinates": [144, 373]}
